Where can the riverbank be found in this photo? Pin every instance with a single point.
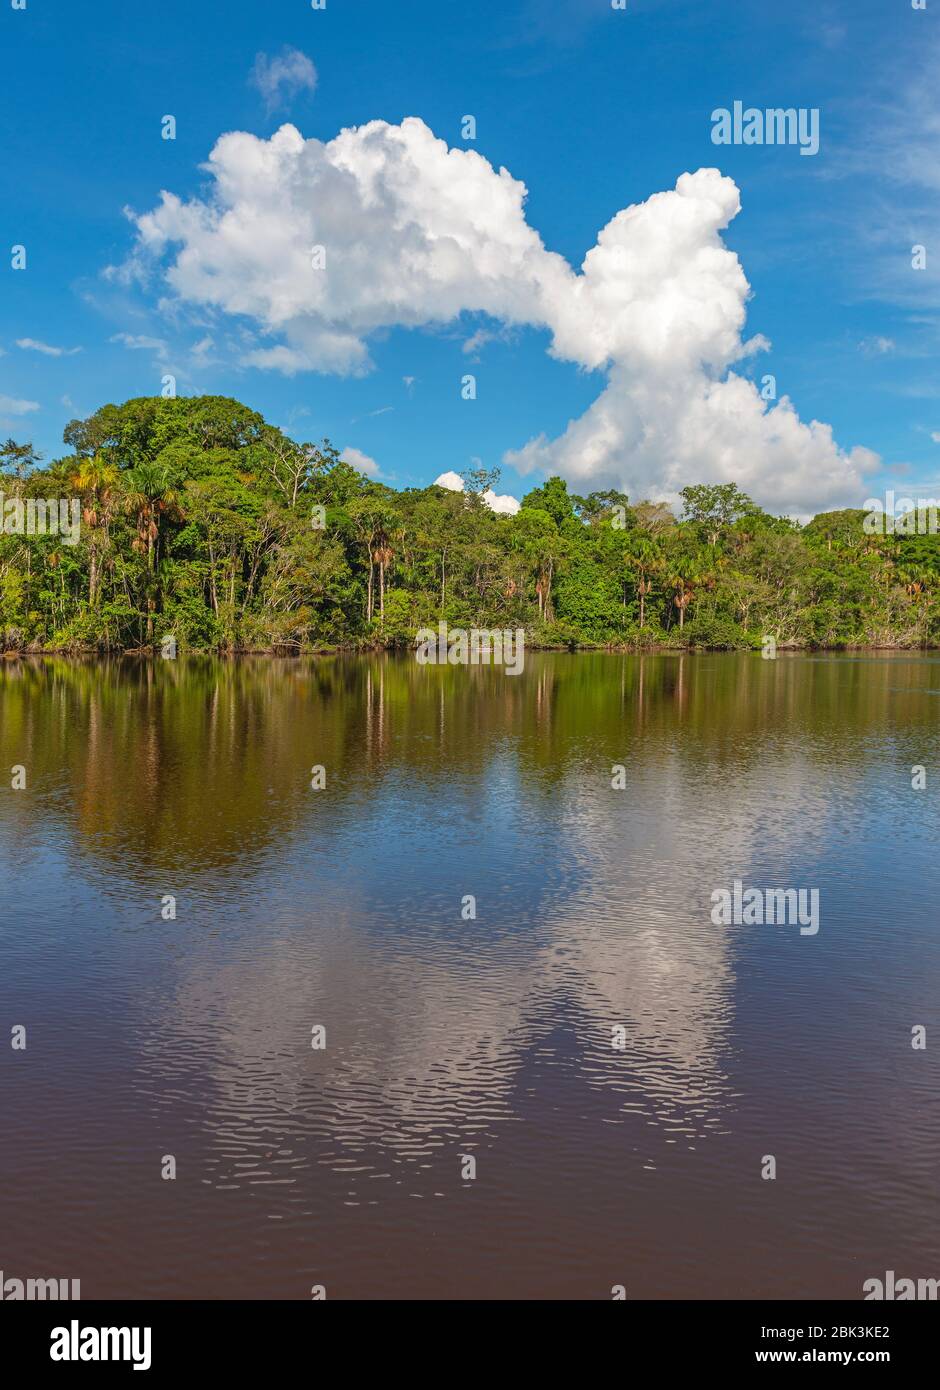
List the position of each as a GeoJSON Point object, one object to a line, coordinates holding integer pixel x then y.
{"type": "Point", "coordinates": [573, 649]}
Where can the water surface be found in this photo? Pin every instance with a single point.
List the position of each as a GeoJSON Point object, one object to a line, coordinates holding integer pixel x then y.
{"type": "Point", "coordinates": [445, 1037]}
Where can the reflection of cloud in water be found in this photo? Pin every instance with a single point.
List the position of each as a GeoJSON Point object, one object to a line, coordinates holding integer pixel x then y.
{"type": "Point", "coordinates": [644, 948]}
{"type": "Point", "coordinates": [435, 1034]}
{"type": "Point", "coordinates": [427, 1045]}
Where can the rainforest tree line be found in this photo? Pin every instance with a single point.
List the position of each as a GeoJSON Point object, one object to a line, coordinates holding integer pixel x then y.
{"type": "Point", "coordinates": [203, 522]}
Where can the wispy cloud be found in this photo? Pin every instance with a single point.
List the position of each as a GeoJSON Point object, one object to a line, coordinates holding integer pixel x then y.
{"type": "Point", "coordinates": [276, 359]}
{"type": "Point", "coordinates": [140, 342]}
{"type": "Point", "coordinates": [9, 405]}
{"type": "Point", "coordinates": [199, 353]}
{"type": "Point", "coordinates": [282, 78]}
{"type": "Point", "coordinates": [34, 345]}
{"type": "Point", "coordinates": [876, 346]}
{"type": "Point", "coordinates": [476, 341]}
{"type": "Point", "coordinates": [887, 161]}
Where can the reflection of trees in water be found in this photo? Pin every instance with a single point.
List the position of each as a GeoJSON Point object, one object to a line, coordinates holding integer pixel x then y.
{"type": "Point", "coordinates": [199, 762]}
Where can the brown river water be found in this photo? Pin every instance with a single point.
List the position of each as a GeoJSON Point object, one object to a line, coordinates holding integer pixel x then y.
{"type": "Point", "coordinates": [619, 1067]}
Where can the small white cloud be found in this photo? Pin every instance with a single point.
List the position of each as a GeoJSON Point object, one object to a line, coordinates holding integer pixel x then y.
{"type": "Point", "coordinates": [477, 341]}
{"type": "Point", "coordinates": [360, 461]}
{"type": "Point", "coordinates": [409, 382]}
{"type": "Point", "coordinates": [199, 352]}
{"type": "Point", "coordinates": [876, 346]}
{"type": "Point", "coordinates": [758, 343]}
{"type": "Point", "coordinates": [280, 79]}
{"type": "Point", "coordinates": [138, 342]}
{"type": "Point", "coordinates": [501, 502]}
{"type": "Point", "coordinates": [279, 359]}
{"type": "Point", "coordinates": [832, 35]}
{"type": "Point", "coordinates": [342, 353]}
{"type": "Point", "coordinates": [473, 346]}
{"type": "Point", "coordinates": [9, 405]}
{"type": "Point", "coordinates": [935, 436]}
{"type": "Point", "coordinates": [34, 345]}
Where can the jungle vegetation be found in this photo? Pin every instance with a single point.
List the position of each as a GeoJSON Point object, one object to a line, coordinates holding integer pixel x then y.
{"type": "Point", "coordinates": [203, 522]}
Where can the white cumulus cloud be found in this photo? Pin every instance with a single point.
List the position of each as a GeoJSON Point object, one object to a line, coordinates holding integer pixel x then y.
{"type": "Point", "coordinates": [417, 234]}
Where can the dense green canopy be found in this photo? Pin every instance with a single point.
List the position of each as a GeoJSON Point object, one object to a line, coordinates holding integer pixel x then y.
{"type": "Point", "coordinates": [202, 522]}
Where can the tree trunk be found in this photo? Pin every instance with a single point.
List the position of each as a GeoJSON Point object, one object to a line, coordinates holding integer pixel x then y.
{"type": "Point", "coordinates": [212, 588]}
{"type": "Point", "coordinates": [549, 611]}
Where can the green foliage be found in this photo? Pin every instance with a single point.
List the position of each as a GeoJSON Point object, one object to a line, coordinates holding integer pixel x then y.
{"type": "Point", "coordinates": [553, 499]}
{"type": "Point", "coordinates": [717, 632]}
{"type": "Point", "coordinates": [201, 521]}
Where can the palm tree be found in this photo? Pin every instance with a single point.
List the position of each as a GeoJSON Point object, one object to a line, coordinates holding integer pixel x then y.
{"type": "Point", "coordinates": [382, 552]}
{"type": "Point", "coordinates": [642, 559]}
{"type": "Point", "coordinates": [374, 522]}
{"type": "Point", "coordinates": [682, 598]}
{"type": "Point", "coordinates": [684, 576]}
{"type": "Point", "coordinates": [150, 496]}
{"type": "Point", "coordinates": [382, 555]}
{"type": "Point", "coordinates": [917, 578]}
{"type": "Point", "coordinates": [96, 482]}
{"type": "Point", "coordinates": [362, 511]}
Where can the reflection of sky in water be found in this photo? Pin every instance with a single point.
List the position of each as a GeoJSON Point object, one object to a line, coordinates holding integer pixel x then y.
{"type": "Point", "coordinates": [493, 1036]}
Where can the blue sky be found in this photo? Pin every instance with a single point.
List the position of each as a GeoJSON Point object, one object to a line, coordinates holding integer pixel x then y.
{"type": "Point", "coordinates": [593, 110]}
